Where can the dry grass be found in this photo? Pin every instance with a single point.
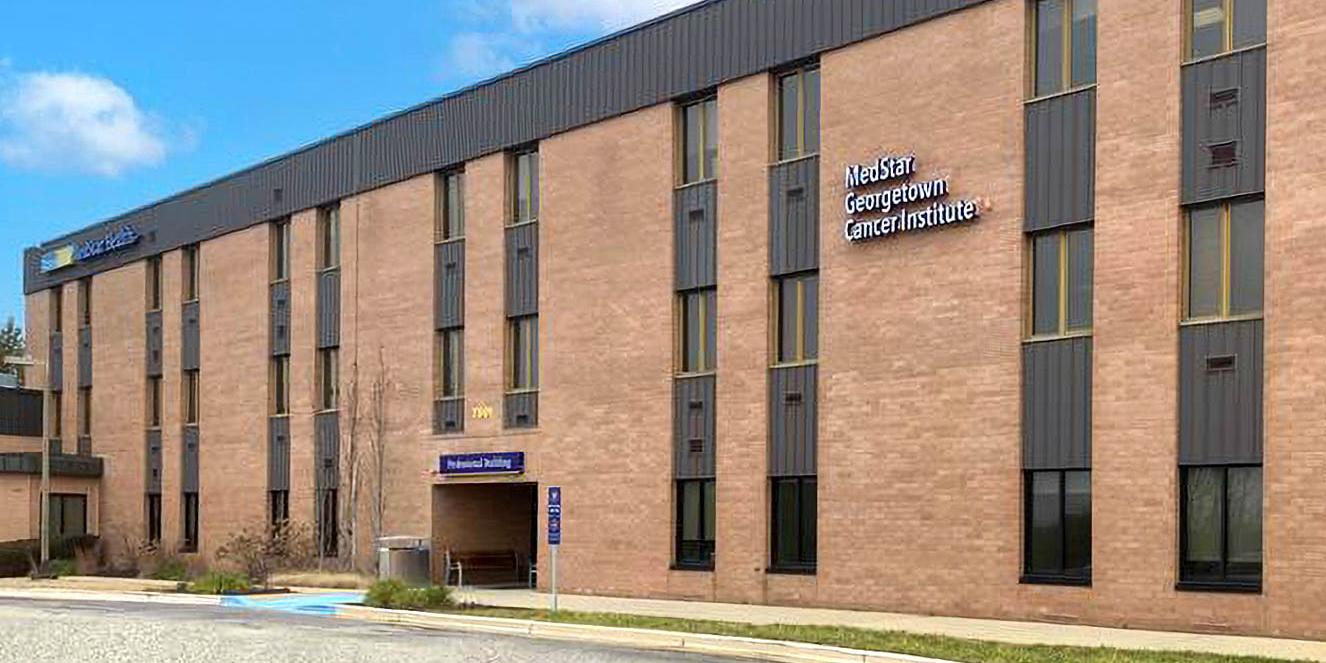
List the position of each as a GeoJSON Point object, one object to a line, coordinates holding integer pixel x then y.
{"type": "Point", "coordinates": [321, 580]}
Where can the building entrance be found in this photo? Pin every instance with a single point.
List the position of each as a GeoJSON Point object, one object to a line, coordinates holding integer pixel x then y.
{"type": "Point", "coordinates": [484, 534]}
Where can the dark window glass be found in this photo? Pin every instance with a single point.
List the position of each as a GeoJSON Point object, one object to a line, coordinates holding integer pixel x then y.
{"type": "Point", "coordinates": [154, 284]}
{"type": "Point", "coordinates": [789, 129]}
{"type": "Point", "coordinates": [1084, 42]}
{"type": "Point", "coordinates": [154, 519]}
{"type": "Point", "coordinates": [190, 264]}
{"type": "Point", "coordinates": [1058, 529]}
{"type": "Point", "coordinates": [328, 523]}
{"type": "Point", "coordinates": [451, 369]}
{"type": "Point", "coordinates": [794, 523]}
{"type": "Point", "coordinates": [711, 139]}
{"type": "Point", "coordinates": [810, 112]}
{"type": "Point", "coordinates": [1249, 23]}
{"type": "Point", "coordinates": [280, 385]}
{"type": "Point", "coordinates": [1207, 35]}
{"type": "Point", "coordinates": [329, 379]}
{"type": "Point", "coordinates": [1049, 46]}
{"type": "Point", "coordinates": [279, 508]}
{"type": "Point", "coordinates": [698, 330]}
{"type": "Point", "coordinates": [57, 414]}
{"type": "Point", "coordinates": [281, 251]}
{"type": "Point", "coordinates": [85, 302]}
{"type": "Point", "coordinates": [85, 412]}
{"type": "Point", "coordinates": [1079, 274]}
{"type": "Point", "coordinates": [68, 516]}
{"type": "Point", "coordinates": [523, 338]}
{"type": "Point", "coordinates": [154, 402]}
{"type": "Point", "coordinates": [1246, 257]}
{"type": "Point", "coordinates": [57, 309]}
{"type": "Point", "coordinates": [1045, 283]}
{"type": "Point", "coordinates": [1222, 526]}
{"type": "Point", "coordinates": [695, 523]}
{"type": "Point", "coordinates": [699, 141]}
{"type": "Point", "coordinates": [525, 197]}
{"type": "Point", "coordinates": [449, 220]}
{"type": "Point", "coordinates": [797, 324]}
{"type": "Point", "coordinates": [190, 389]}
{"type": "Point", "coordinates": [190, 506]}
{"type": "Point", "coordinates": [1205, 262]}
{"type": "Point", "coordinates": [329, 237]}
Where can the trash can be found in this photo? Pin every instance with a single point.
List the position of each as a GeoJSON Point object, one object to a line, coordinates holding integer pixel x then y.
{"type": "Point", "coordinates": [404, 558]}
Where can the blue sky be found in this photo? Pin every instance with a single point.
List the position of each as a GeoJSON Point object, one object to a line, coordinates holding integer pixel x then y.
{"type": "Point", "coordinates": [106, 106]}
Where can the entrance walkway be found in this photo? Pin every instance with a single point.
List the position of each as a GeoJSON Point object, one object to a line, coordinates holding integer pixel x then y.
{"type": "Point", "coordinates": [1026, 633]}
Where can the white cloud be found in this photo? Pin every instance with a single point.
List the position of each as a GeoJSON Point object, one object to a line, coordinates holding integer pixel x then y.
{"type": "Point", "coordinates": [75, 122]}
{"type": "Point", "coordinates": [532, 15]}
{"type": "Point", "coordinates": [481, 55]}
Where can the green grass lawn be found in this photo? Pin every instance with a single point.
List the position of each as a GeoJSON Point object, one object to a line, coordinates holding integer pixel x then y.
{"type": "Point", "coordinates": [952, 649]}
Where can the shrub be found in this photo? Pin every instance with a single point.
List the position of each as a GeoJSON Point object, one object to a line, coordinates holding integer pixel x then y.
{"type": "Point", "coordinates": [19, 558]}
{"type": "Point", "coordinates": [220, 582]}
{"type": "Point", "coordinates": [154, 562]}
{"type": "Point", "coordinates": [396, 595]}
{"type": "Point", "coordinates": [63, 567]}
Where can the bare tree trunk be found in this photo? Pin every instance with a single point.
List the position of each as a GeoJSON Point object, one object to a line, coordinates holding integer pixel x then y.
{"type": "Point", "coordinates": [378, 419]}
{"type": "Point", "coordinates": [350, 480]}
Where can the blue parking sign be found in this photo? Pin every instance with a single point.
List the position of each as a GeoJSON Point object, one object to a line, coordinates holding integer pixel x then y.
{"type": "Point", "coordinates": [555, 516]}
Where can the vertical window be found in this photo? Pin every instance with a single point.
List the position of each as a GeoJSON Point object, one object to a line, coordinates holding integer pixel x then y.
{"type": "Point", "coordinates": [328, 523]}
{"type": "Point", "coordinates": [190, 285]}
{"type": "Point", "coordinates": [85, 412]}
{"type": "Point", "coordinates": [57, 414]}
{"type": "Point", "coordinates": [699, 129]}
{"type": "Point", "coordinates": [523, 353]}
{"type": "Point", "coordinates": [1058, 527]}
{"type": "Point", "coordinates": [1220, 26]}
{"type": "Point", "coordinates": [57, 309]}
{"type": "Point", "coordinates": [190, 389]}
{"type": "Point", "coordinates": [280, 385]}
{"type": "Point", "coordinates": [280, 251]}
{"type": "Point", "coordinates": [1065, 45]}
{"type": "Point", "coordinates": [1222, 526]}
{"type": "Point", "coordinates": [525, 188]}
{"type": "Point", "coordinates": [796, 328]}
{"type": "Point", "coordinates": [1225, 260]}
{"type": "Point", "coordinates": [154, 283]}
{"type": "Point", "coordinates": [695, 523]}
{"type": "Point", "coordinates": [449, 217]}
{"type": "Point", "coordinates": [329, 386]}
{"type": "Point", "coordinates": [279, 508]}
{"type": "Point", "coordinates": [799, 113]}
{"type": "Point", "coordinates": [68, 516]}
{"type": "Point", "coordinates": [85, 303]}
{"type": "Point", "coordinates": [154, 519]}
{"type": "Point", "coordinates": [154, 402]}
{"type": "Point", "coordinates": [1061, 282]}
{"type": "Point", "coordinates": [451, 363]}
{"type": "Point", "coordinates": [697, 329]}
{"type": "Point", "coordinates": [329, 237]}
{"type": "Point", "coordinates": [190, 506]}
{"type": "Point", "coordinates": [794, 523]}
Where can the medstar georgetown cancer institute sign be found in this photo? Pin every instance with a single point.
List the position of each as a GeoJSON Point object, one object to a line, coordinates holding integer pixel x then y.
{"type": "Point", "coordinates": [883, 200]}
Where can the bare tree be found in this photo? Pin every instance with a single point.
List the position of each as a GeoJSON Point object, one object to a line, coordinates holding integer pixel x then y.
{"type": "Point", "coordinates": [351, 469]}
{"type": "Point", "coordinates": [378, 415]}
{"type": "Point", "coordinates": [363, 457]}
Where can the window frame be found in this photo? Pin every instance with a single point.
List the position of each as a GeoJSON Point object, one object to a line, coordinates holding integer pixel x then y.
{"type": "Point", "coordinates": [278, 509]}
{"type": "Point", "coordinates": [57, 413]}
{"type": "Point", "coordinates": [84, 412]}
{"type": "Point", "coordinates": [57, 309]}
{"type": "Point", "coordinates": [154, 284]}
{"type": "Point", "coordinates": [802, 128]}
{"type": "Point", "coordinates": [516, 186]}
{"type": "Point", "coordinates": [280, 251]}
{"type": "Point", "coordinates": [1222, 583]}
{"type": "Point", "coordinates": [708, 355]}
{"type": "Point", "coordinates": [58, 503]}
{"type": "Point", "coordinates": [153, 505]}
{"type": "Point", "coordinates": [1064, 576]}
{"type": "Point", "coordinates": [707, 107]}
{"type": "Point", "coordinates": [1230, 30]}
{"type": "Point", "coordinates": [708, 494]}
{"type": "Point", "coordinates": [1064, 294]}
{"type": "Point", "coordinates": [443, 205]}
{"type": "Point", "coordinates": [1226, 208]}
{"type": "Point", "coordinates": [329, 237]}
{"type": "Point", "coordinates": [800, 565]}
{"type": "Point", "coordinates": [191, 397]}
{"type": "Point", "coordinates": [191, 509]}
{"type": "Point", "coordinates": [328, 376]}
{"type": "Point", "coordinates": [800, 355]}
{"type": "Point", "coordinates": [280, 386]}
{"type": "Point", "coordinates": [189, 265]}
{"type": "Point", "coordinates": [155, 404]}
{"type": "Point", "coordinates": [528, 355]}
{"type": "Point", "coordinates": [85, 303]}
{"type": "Point", "coordinates": [1067, 53]}
{"type": "Point", "coordinates": [449, 339]}
{"type": "Point", "coordinates": [328, 533]}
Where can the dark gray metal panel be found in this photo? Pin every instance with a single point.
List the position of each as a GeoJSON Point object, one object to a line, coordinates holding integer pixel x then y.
{"type": "Point", "coordinates": [793, 421]}
{"type": "Point", "coordinates": [20, 412]}
{"type": "Point", "coordinates": [794, 216]}
{"type": "Point", "coordinates": [1061, 160]}
{"type": "Point", "coordinates": [61, 465]}
{"type": "Point", "coordinates": [280, 317]}
{"type": "Point", "coordinates": [1224, 108]}
{"type": "Point", "coordinates": [85, 357]}
{"type": "Point", "coordinates": [85, 445]}
{"type": "Point", "coordinates": [449, 272]}
{"type": "Point", "coordinates": [154, 462]}
{"type": "Point", "coordinates": [683, 53]}
{"type": "Point", "coordinates": [693, 427]}
{"type": "Point", "coordinates": [326, 450]}
{"type": "Point", "coordinates": [278, 453]}
{"type": "Point", "coordinates": [521, 410]}
{"type": "Point", "coordinates": [329, 309]}
{"type": "Point", "coordinates": [1220, 405]}
{"type": "Point", "coordinates": [695, 232]}
{"type": "Point", "coordinates": [154, 344]}
{"type": "Point", "coordinates": [191, 348]}
{"type": "Point", "coordinates": [1056, 405]}
{"type": "Point", "coordinates": [449, 416]}
{"type": "Point", "coordinates": [55, 370]}
{"type": "Point", "coordinates": [522, 270]}
{"type": "Point", "coordinates": [189, 460]}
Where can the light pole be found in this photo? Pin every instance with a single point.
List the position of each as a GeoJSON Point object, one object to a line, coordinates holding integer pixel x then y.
{"type": "Point", "coordinates": [29, 362]}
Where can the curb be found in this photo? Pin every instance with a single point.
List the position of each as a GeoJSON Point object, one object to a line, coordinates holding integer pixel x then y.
{"type": "Point", "coordinates": [645, 639]}
{"type": "Point", "coordinates": [43, 594]}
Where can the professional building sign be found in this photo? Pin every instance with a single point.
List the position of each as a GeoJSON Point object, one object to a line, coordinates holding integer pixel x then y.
{"type": "Point", "coordinates": [72, 254]}
{"type": "Point", "coordinates": [509, 462]}
{"type": "Point", "coordinates": [883, 200]}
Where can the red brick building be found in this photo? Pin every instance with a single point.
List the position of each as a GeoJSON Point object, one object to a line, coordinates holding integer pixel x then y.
{"type": "Point", "coordinates": [997, 308]}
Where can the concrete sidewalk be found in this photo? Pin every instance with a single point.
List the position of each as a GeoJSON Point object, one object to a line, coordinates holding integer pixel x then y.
{"type": "Point", "coordinates": [1025, 633]}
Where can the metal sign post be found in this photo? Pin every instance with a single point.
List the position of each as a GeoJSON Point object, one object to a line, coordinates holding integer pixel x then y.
{"type": "Point", "coordinates": [554, 534]}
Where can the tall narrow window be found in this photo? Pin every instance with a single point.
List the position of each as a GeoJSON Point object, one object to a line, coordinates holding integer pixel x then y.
{"type": "Point", "coordinates": [68, 516]}
{"type": "Point", "coordinates": [154, 519]}
{"type": "Point", "coordinates": [328, 523]}
{"type": "Point", "coordinates": [451, 363]}
{"type": "Point", "coordinates": [329, 237]}
{"type": "Point", "coordinates": [279, 508]}
{"type": "Point", "coordinates": [525, 188]}
{"type": "Point", "coordinates": [449, 217]}
{"type": "Point", "coordinates": [695, 523]}
{"type": "Point", "coordinates": [796, 327]}
{"type": "Point", "coordinates": [85, 412]}
{"type": "Point", "coordinates": [1062, 263]}
{"type": "Point", "coordinates": [697, 330]}
{"type": "Point", "coordinates": [1220, 26]}
{"type": "Point", "coordinates": [280, 385]}
{"type": "Point", "coordinates": [190, 285]}
{"type": "Point", "coordinates": [1222, 527]}
{"type": "Point", "coordinates": [154, 283]}
{"type": "Point", "coordinates": [329, 376]}
{"type": "Point", "coordinates": [57, 309]}
{"type": "Point", "coordinates": [280, 269]}
{"type": "Point", "coordinates": [190, 534]}
{"type": "Point", "coordinates": [154, 402]}
{"type": "Point", "coordinates": [799, 113]}
{"type": "Point", "coordinates": [1065, 45]}
{"type": "Point", "coordinates": [523, 353]}
{"type": "Point", "coordinates": [795, 523]}
{"type": "Point", "coordinates": [57, 414]}
{"type": "Point", "coordinates": [1225, 260]}
{"type": "Point", "coordinates": [85, 303]}
{"type": "Point", "coordinates": [190, 388]}
{"type": "Point", "coordinates": [1058, 527]}
{"type": "Point", "coordinates": [699, 130]}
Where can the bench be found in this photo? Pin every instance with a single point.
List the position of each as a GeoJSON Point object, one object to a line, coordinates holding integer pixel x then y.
{"type": "Point", "coordinates": [485, 567]}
